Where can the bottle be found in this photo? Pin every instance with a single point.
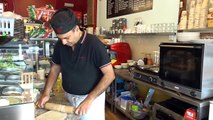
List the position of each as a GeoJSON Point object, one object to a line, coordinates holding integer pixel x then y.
{"type": "Point", "coordinates": [156, 58]}
{"type": "Point", "coordinates": [145, 60]}
{"type": "Point", "coordinates": [149, 59]}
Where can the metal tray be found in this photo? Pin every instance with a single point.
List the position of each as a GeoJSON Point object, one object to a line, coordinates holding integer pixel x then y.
{"type": "Point", "coordinates": [11, 90]}
{"type": "Point", "coordinates": [2, 77]}
{"type": "Point", "coordinates": [13, 77]}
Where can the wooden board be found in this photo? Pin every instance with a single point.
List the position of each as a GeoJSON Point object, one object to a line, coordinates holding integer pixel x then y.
{"type": "Point", "coordinates": [52, 115]}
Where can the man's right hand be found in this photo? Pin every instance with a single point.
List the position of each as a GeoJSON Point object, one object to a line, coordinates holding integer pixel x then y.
{"type": "Point", "coordinates": [42, 100]}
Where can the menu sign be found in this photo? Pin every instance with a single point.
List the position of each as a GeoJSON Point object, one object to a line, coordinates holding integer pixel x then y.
{"type": "Point", "coordinates": [123, 7]}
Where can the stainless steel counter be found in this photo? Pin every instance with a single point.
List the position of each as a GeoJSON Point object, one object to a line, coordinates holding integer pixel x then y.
{"type": "Point", "coordinates": [17, 112]}
{"type": "Point", "coordinates": [202, 105]}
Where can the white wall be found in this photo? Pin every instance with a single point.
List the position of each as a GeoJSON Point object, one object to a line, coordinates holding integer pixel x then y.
{"type": "Point", "coordinates": [163, 11]}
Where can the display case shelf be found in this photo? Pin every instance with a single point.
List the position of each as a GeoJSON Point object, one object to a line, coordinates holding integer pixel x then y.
{"type": "Point", "coordinates": [13, 65]}
{"type": "Point", "coordinates": [44, 39]}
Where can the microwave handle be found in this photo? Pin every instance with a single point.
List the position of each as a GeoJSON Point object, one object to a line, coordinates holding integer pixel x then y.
{"type": "Point", "coordinates": [180, 46]}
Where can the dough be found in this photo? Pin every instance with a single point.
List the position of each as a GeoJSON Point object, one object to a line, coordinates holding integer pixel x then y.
{"type": "Point", "coordinates": [52, 115]}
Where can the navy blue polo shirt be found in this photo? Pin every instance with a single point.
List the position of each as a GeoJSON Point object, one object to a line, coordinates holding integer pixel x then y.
{"type": "Point", "coordinates": [81, 67]}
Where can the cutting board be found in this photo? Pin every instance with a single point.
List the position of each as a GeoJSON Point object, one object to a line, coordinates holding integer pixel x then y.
{"type": "Point", "coordinates": [52, 115]}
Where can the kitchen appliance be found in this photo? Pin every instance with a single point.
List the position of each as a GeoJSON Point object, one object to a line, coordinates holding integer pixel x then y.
{"type": "Point", "coordinates": [171, 109]}
{"type": "Point", "coordinates": [147, 73]}
{"type": "Point", "coordinates": [187, 68]}
{"type": "Point", "coordinates": [120, 52]}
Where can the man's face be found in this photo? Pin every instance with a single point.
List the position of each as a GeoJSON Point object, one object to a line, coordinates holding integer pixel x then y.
{"type": "Point", "coordinates": [69, 38]}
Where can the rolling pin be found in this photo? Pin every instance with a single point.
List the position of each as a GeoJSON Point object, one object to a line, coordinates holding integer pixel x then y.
{"type": "Point", "coordinates": [59, 107]}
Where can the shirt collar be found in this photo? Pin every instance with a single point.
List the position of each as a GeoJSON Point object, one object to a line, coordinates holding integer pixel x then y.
{"type": "Point", "coordinates": [83, 37]}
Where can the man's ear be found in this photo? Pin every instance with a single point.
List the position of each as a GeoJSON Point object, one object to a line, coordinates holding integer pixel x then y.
{"type": "Point", "coordinates": [77, 28]}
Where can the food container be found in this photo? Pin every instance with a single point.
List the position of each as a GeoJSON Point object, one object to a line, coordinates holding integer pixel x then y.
{"type": "Point", "coordinates": [124, 65]}
{"type": "Point", "coordinates": [210, 23]}
{"type": "Point", "coordinates": [14, 77]}
{"type": "Point", "coordinates": [130, 61]}
{"type": "Point", "coordinates": [124, 102]}
{"type": "Point", "coordinates": [5, 39]}
{"type": "Point", "coordinates": [2, 77]}
{"type": "Point", "coordinates": [138, 114]}
{"type": "Point", "coordinates": [41, 74]}
{"type": "Point", "coordinates": [13, 89]}
{"type": "Point", "coordinates": [117, 66]}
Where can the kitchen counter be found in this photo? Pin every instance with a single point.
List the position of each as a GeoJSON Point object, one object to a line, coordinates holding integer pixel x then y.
{"type": "Point", "coordinates": [202, 105]}
{"type": "Point", "coordinates": [125, 74]}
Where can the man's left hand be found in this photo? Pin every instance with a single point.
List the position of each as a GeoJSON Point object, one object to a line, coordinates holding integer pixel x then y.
{"type": "Point", "coordinates": [83, 107]}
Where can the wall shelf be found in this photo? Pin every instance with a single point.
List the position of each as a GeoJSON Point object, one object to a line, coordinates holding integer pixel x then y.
{"type": "Point", "coordinates": [142, 34]}
{"type": "Point", "coordinates": [201, 30]}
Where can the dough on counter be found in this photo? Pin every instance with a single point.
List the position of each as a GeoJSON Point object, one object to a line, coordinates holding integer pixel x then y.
{"type": "Point", "coordinates": [52, 115]}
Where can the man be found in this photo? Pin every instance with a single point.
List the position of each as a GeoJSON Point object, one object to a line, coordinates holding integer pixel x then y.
{"type": "Point", "coordinates": [84, 64]}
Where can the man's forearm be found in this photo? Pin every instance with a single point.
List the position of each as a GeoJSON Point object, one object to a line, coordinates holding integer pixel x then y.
{"type": "Point", "coordinates": [52, 77]}
{"type": "Point", "coordinates": [105, 81]}
{"type": "Point", "coordinates": [101, 87]}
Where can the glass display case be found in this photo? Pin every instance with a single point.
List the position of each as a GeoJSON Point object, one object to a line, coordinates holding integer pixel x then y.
{"type": "Point", "coordinates": [17, 64]}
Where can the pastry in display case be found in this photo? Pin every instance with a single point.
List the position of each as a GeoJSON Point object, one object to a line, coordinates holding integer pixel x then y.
{"type": "Point", "coordinates": [16, 79]}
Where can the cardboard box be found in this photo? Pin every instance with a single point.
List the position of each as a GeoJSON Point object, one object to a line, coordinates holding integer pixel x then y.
{"type": "Point", "coordinates": [210, 23]}
{"type": "Point", "coordinates": [210, 16]}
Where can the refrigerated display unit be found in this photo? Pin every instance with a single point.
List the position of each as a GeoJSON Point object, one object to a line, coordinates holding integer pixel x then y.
{"type": "Point", "coordinates": [17, 63]}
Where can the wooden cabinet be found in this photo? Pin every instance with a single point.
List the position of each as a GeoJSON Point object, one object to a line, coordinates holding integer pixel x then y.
{"type": "Point", "coordinates": [91, 12]}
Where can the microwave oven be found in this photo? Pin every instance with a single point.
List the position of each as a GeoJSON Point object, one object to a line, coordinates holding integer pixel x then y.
{"type": "Point", "coordinates": [187, 68]}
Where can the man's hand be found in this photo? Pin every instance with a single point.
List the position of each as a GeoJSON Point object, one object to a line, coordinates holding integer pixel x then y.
{"type": "Point", "coordinates": [42, 100]}
{"type": "Point", "coordinates": [84, 107]}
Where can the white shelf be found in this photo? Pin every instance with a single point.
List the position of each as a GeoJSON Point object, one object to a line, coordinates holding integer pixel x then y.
{"type": "Point", "coordinates": [201, 30]}
{"type": "Point", "coordinates": [143, 34]}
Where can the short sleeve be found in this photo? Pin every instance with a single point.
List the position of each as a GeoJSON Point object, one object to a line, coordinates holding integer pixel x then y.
{"type": "Point", "coordinates": [101, 57]}
{"type": "Point", "coordinates": [56, 54]}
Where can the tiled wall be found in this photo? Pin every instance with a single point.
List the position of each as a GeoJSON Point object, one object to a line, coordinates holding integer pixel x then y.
{"type": "Point", "coordinates": [141, 44]}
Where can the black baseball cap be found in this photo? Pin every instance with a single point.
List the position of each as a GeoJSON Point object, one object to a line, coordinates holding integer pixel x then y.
{"type": "Point", "coordinates": [63, 21]}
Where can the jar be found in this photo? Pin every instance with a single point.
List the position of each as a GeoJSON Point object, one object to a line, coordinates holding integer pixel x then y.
{"type": "Point", "coordinates": [149, 59]}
